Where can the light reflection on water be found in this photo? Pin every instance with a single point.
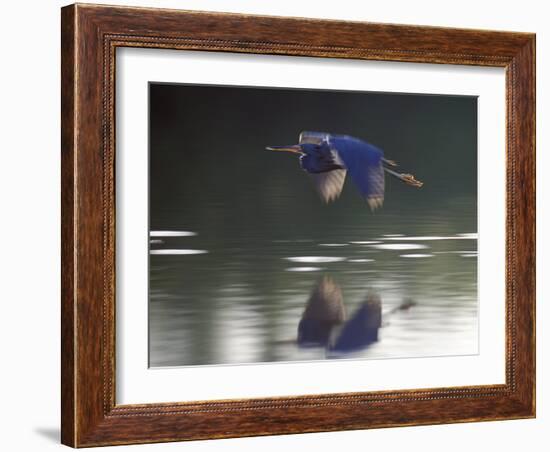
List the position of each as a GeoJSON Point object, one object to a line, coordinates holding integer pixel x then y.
{"type": "Point", "coordinates": [305, 269]}
{"type": "Point", "coordinates": [242, 303]}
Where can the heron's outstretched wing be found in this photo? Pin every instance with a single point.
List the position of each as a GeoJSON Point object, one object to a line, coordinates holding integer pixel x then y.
{"type": "Point", "coordinates": [364, 163]}
{"type": "Point", "coordinates": [329, 185]}
{"type": "Point", "coordinates": [375, 184]}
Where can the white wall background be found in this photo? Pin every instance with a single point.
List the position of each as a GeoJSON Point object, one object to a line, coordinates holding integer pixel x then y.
{"type": "Point", "coordinates": [30, 186]}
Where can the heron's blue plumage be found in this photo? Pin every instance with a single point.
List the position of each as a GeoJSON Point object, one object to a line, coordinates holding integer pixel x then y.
{"type": "Point", "coordinates": [361, 159]}
{"type": "Point", "coordinates": [363, 162]}
{"type": "Point", "coordinates": [318, 159]}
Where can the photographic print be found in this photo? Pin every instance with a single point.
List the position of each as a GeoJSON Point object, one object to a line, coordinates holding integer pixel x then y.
{"type": "Point", "coordinates": [278, 233]}
{"type": "Point", "coordinates": [302, 225]}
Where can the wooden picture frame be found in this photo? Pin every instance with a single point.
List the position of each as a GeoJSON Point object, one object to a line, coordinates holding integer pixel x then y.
{"type": "Point", "coordinates": [90, 36]}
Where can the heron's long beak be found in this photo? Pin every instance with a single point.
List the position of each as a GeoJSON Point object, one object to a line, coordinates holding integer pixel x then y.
{"type": "Point", "coordinates": [296, 148]}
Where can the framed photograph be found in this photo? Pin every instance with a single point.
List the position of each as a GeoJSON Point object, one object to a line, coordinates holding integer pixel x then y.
{"type": "Point", "coordinates": [269, 231]}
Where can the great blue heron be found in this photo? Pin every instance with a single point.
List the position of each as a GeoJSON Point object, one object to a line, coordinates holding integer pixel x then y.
{"type": "Point", "coordinates": [329, 157]}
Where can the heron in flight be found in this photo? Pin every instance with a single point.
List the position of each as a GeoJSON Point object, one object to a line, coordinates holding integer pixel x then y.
{"type": "Point", "coordinates": [329, 157]}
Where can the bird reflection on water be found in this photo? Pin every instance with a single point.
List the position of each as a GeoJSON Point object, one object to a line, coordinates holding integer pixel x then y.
{"type": "Point", "coordinates": [324, 311]}
{"type": "Point", "coordinates": [324, 322]}
{"type": "Point", "coordinates": [361, 330]}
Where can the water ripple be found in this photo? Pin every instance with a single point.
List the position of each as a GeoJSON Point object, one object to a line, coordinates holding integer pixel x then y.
{"type": "Point", "coordinates": [416, 255]}
{"type": "Point", "coordinates": [172, 233]}
{"type": "Point", "coordinates": [400, 246]}
{"type": "Point", "coordinates": [434, 237]}
{"type": "Point", "coordinates": [304, 269]}
{"type": "Point", "coordinates": [174, 252]}
{"type": "Point", "coordinates": [315, 259]}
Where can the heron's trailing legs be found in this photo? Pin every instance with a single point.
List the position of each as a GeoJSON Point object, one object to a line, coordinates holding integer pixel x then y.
{"type": "Point", "coordinates": [409, 179]}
